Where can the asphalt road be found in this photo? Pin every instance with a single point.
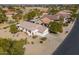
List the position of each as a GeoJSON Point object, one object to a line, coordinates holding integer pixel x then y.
{"type": "Point", "coordinates": [70, 45]}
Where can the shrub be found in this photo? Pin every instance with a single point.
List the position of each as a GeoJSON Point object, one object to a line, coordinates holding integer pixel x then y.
{"type": "Point", "coordinates": [32, 42]}
{"type": "Point", "coordinates": [34, 37]}
{"type": "Point", "coordinates": [43, 38]}
{"type": "Point", "coordinates": [66, 24]}
{"type": "Point", "coordinates": [41, 41]}
{"type": "Point", "coordinates": [28, 42]}
{"type": "Point", "coordinates": [13, 29]}
{"type": "Point", "coordinates": [5, 27]}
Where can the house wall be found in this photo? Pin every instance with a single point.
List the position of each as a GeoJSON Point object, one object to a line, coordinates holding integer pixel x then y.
{"type": "Point", "coordinates": [24, 30]}
{"type": "Point", "coordinates": [29, 33]}
{"type": "Point", "coordinates": [46, 32]}
{"type": "Point", "coordinates": [34, 32]}
{"type": "Point", "coordinates": [42, 34]}
{"type": "Point", "coordinates": [19, 28]}
{"type": "Point", "coordinates": [64, 20]}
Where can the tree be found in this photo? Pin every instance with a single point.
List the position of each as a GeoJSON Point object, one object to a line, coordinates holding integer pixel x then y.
{"type": "Point", "coordinates": [4, 45]}
{"type": "Point", "coordinates": [52, 11]}
{"type": "Point", "coordinates": [38, 12]}
{"type": "Point", "coordinates": [74, 15]}
{"type": "Point", "coordinates": [17, 17]}
{"type": "Point", "coordinates": [30, 15]}
{"type": "Point", "coordinates": [17, 47]}
{"type": "Point", "coordinates": [13, 28]}
{"type": "Point", "coordinates": [19, 11]}
{"type": "Point", "coordinates": [2, 16]}
{"type": "Point", "coordinates": [2, 52]}
{"type": "Point", "coordinates": [12, 47]}
{"type": "Point", "coordinates": [55, 27]}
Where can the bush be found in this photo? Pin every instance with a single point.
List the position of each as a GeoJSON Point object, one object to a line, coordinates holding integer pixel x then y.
{"type": "Point", "coordinates": [28, 42]}
{"type": "Point", "coordinates": [41, 41]}
{"type": "Point", "coordinates": [34, 37]}
{"type": "Point", "coordinates": [43, 38]}
{"type": "Point", "coordinates": [32, 42]}
{"type": "Point", "coordinates": [5, 27]}
{"type": "Point", "coordinates": [66, 24]}
{"type": "Point", "coordinates": [13, 29]}
{"type": "Point", "coordinates": [11, 21]}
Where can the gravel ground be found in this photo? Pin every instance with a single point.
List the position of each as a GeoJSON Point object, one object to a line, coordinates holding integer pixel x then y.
{"type": "Point", "coordinates": [49, 46]}
{"type": "Point", "coordinates": [37, 48]}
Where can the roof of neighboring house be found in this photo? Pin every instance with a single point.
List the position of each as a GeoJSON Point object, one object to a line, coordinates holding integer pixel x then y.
{"type": "Point", "coordinates": [32, 26]}
{"type": "Point", "coordinates": [67, 11]}
{"type": "Point", "coordinates": [8, 11]}
{"type": "Point", "coordinates": [5, 8]}
{"type": "Point", "coordinates": [50, 18]}
{"type": "Point", "coordinates": [64, 13]}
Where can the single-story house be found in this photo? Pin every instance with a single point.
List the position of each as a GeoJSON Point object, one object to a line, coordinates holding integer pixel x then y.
{"type": "Point", "coordinates": [64, 14]}
{"type": "Point", "coordinates": [33, 29]}
{"type": "Point", "coordinates": [46, 19]}
{"type": "Point", "coordinates": [9, 12]}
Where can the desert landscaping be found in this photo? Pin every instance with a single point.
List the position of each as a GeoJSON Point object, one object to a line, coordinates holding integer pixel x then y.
{"type": "Point", "coordinates": [43, 29]}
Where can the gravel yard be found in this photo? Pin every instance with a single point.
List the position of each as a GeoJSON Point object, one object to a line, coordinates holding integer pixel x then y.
{"type": "Point", "coordinates": [34, 47]}
{"type": "Point", "coordinates": [49, 46]}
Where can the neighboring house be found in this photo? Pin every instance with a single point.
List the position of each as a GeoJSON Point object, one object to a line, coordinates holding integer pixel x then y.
{"type": "Point", "coordinates": [46, 19]}
{"type": "Point", "coordinates": [4, 8]}
{"type": "Point", "coordinates": [45, 14]}
{"type": "Point", "coordinates": [9, 12]}
{"type": "Point", "coordinates": [33, 29]}
{"type": "Point", "coordinates": [65, 14]}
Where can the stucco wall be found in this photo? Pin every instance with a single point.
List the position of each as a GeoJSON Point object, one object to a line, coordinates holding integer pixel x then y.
{"type": "Point", "coordinates": [42, 34]}
{"type": "Point", "coordinates": [34, 32]}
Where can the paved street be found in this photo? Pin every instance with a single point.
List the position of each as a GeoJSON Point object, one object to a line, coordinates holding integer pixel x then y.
{"type": "Point", "coordinates": [70, 46]}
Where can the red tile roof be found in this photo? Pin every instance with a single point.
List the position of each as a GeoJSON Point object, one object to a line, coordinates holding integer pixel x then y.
{"type": "Point", "coordinates": [47, 18]}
